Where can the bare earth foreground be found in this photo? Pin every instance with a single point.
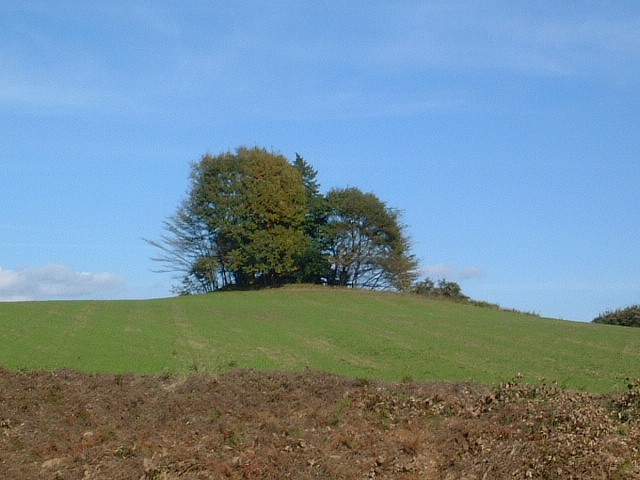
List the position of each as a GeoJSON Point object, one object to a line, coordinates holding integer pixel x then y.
{"type": "Point", "coordinates": [245, 424]}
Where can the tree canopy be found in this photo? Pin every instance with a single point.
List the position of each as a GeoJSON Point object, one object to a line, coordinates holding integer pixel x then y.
{"type": "Point", "coordinates": [252, 219]}
{"type": "Point", "coordinates": [365, 243]}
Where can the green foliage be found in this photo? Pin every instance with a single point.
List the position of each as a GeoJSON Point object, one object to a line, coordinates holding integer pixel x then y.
{"type": "Point", "coordinates": [268, 234]}
{"type": "Point", "coordinates": [366, 244]}
{"type": "Point", "coordinates": [628, 317]}
{"type": "Point", "coordinates": [443, 289]}
{"type": "Point", "coordinates": [242, 224]}
{"type": "Point", "coordinates": [309, 177]}
{"type": "Point", "coordinates": [253, 219]}
{"type": "Point", "coordinates": [313, 265]}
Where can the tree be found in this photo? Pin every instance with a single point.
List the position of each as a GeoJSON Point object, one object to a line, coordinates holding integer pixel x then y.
{"type": "Point", "coordinates": [314, 266]}
{"type": "Point", "coordinates": [268, 237]}
{"type": "Point", "coordinates": [365, 242]}
{"type": "Point", "coordinates": [190, 251]}
{"type": "Point", "coordinates": [241, 225]}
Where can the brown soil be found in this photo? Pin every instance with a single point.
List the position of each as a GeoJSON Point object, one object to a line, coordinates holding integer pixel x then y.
{"type": "Point", "coordinates": [249, 425]}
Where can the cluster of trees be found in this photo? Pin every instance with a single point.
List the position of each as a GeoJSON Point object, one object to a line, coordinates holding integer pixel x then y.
{"type": "Point", "coordinates": [628, 317]}
{"type": "Point", "coordinates": [252, 218]}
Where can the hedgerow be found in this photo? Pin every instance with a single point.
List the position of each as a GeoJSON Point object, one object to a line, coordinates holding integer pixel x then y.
{"type": "Point", "coordinates": [628, 317]}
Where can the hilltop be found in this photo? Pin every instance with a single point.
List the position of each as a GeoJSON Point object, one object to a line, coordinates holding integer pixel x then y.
{"type": "Point", "coordinates": [360, 334]}
{"type": "Point", "coordinates": [312, 383]}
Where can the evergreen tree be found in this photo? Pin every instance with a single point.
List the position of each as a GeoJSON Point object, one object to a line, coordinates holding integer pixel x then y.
{"type": "Point", "coordinates": [313, 263]}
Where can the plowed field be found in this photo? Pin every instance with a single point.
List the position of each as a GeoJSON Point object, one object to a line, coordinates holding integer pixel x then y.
{"type": "Point", "coordinates": [250, 425]}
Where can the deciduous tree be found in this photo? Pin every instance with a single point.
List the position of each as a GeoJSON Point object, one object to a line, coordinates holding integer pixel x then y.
{"type": "Point", "coordinates": [366, 244]}
{"type": "Point", "coordinates": [242, 223]}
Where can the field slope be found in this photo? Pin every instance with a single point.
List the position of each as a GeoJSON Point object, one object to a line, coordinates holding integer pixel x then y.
{"type": "Point", "coordinates": [354, 333]}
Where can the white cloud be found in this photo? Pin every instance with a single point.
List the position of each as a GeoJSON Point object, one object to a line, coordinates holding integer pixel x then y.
{"type": "Point", "coordinates": [450, 272]}
{"type": "Point", "coordinates": [55, 282]}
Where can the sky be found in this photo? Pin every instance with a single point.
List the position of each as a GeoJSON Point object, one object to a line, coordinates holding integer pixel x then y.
{"type": "Point", "coordinates": [507, 132]}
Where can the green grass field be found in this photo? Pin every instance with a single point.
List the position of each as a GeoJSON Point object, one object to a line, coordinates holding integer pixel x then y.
{"type": "Point", "coordinates": [355, 333]}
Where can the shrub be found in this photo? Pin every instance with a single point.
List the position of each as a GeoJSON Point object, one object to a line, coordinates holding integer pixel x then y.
{"type": "Point", "coordinates": [628, 317]}
{"type": "Point", "coordinates": [443, 289]}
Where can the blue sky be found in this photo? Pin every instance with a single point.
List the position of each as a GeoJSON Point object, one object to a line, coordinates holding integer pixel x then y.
{"type": "Point", "coordinates": [507, 132]}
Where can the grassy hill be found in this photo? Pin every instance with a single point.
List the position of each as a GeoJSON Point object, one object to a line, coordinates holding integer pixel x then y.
{"type": "Point", "coordinates": [355, 333]}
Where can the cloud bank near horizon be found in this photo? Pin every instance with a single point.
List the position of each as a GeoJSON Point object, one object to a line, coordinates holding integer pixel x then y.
{"type": "Point", "coordinates": [55, 281]}
{"type": "Point", "coordinates": [451, 272]}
